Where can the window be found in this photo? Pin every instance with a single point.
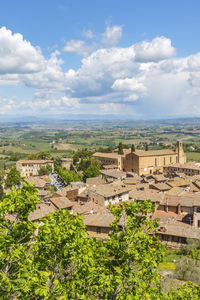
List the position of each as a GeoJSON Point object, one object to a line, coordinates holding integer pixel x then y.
{"type": "Point", "coordinates": [176, 159]}
{"type": "Point", "coordinates": [164, 161]}
{"type": "Point", "coordinates": [156, 163]}
{"type": "Point", "coordinates": [170, 159]}
{"type": "Point", "coordinates": [175, 239]}
{"type": "Point", "coordinates": [98, 229]}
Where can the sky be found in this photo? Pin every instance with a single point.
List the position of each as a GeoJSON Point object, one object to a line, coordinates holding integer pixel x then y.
{"type": "Point", "coordinates": [133, 58]}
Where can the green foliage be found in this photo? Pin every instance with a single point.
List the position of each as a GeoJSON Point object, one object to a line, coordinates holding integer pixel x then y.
{"type": "Point", "coordinates": [12, 178]}
{"type": "Point", "coordinates": [91, 171]}
{"type": "Point", "coordinates": [187, 291]}
{"type": "Point", "coordinates": [40, 155]}
{"type": "Point", "coordinates": [45, 170]}
{"type": "Point", "coordinates": [59, 261]}
{"type": "Point", "coordinates": [68, 176]}
{"type": "Point", "coordinates": [1, 191]}
{"type": "Point", "coordinates": [188, 269]}
{"type": "Point", "coordinates": [15, 237]}
{"type": "Point", "coordinates": [146, 147]}
{"type": "Point", "coordinates": [44, 155]}
{"type": "Point", "coordinates": [57, 162]}
{"type": "Point", "coordinates": [105, 149]}
{"type": "Point", "coordinates": [132, 148]}
{"type": "Point", "coordinates": [120, 149]}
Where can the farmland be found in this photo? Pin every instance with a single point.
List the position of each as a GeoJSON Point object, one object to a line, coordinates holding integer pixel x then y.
{"type": "Point", "coordinates": [62, 139]}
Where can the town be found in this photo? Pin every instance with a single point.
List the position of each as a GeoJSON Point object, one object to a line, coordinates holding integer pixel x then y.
{"type": "Point", "coordinates": [163, 176]}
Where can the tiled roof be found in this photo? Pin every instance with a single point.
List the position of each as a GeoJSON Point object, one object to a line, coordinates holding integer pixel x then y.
{"type": "Point", "coordinates": [115, 173]}
{"type": "Point", "coordinates": [36, 180]}
{"type": "Point", "coordinates": [155, 152]}
{"type": "Point", "coordinates": [41, 211]}
{"type": "Point", "coordinates": [109, 190]}
{"type": "Point", "coordinates": [161, 186]}
{"type": "Point", "coordinates": [100, 220]}
{"type": "Point", "coordinates": [95, 180]}
{"type": "Point", "coordinates": [61, 202]}
{"type": "Point", "coordinates": [39, 161]}
{"type": "Point", "coordinates": [86, 207]}
{"type": "Point", "coordinates": [107, 155]}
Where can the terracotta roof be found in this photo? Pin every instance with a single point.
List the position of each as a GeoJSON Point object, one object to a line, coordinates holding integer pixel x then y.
{"type": "Point", "coordinates": [114, 173]}
{"type": "Point", "coordinates": [37, 181]}
{"type": "Point", "coordinates": [107, 155]}
{"type": "Point", "coordinates": [106, 167]}
{"type": "Point", "coordinates": [109, 190]}
{"type": "Point", "coordinates": [176, 191]}
{"type": "Point", "coordinates": [41, 211]}
{"type": "Point", "coordinates": [160, 186]}
{"type": "Point", "coordinates": [95, 180]}
{"type": "Point", "coordinates": [178, 182]}
{"type": "Point", "coordinates": [61, 202]}
{"type": "Point", "coordinates": [86, 207]}
{"type": "Point", "coordinates": [39, 161]}
{"type": "Point", "coordinates": [153, 195]}
{"type": "Point", "coordinates": [155, 152]}
{"type": "Point", "coordinates": [99, 220]}
{"type": "Point", "coordinates": [189, 165]}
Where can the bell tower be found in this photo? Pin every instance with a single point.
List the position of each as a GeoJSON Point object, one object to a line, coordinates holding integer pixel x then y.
{"type": "Point", "coordinates": [180, 152]}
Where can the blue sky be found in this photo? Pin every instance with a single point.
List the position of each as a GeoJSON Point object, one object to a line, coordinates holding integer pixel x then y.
{"type": "Point", "coordinates": [137, 58]}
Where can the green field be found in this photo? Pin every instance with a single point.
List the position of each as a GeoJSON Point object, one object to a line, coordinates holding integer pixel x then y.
{"type": "Point", "coordinates": [193, 156]}
{"type": "Point", "coordinates": [62, 138]}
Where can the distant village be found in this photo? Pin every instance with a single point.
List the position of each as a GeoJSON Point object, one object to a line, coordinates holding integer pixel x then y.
{"type": "Point", "coordinates": [163, 176]}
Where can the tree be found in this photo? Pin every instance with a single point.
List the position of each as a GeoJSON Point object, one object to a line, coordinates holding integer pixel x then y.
{"type": "Point", "coordinates": [68, 176]}
{"type": "Point", "coordinates": [44, 155]}
{"type": "Point", "coordinates": [146, 147]}
{"type": "Point", "coordinates": [55, 259]}
{"type": "Point", "coordinates": [1, 191]}
{"type": "Point", "coordinates": [120, 149]}
{"type": "Point", "coordinates": [33, 156]}
{"type": "Point", "coordinates": [91, 171]}
{"type": "Point", "coordinates": [57, 162]}
{"type": "Point", "coordinates": [132, 148]}
{"type": "Point", "coordinates": [13, 178]}
{"type": "Point", "coordinates": [45, 170]}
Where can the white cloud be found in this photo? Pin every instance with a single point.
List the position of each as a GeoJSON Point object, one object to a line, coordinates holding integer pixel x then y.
{"type": "Point", "coordinates": [112, 35]}
{"type": "Point", "coordinates": [18, 55]}
{"type": "Point", "coordinates": [144, 78]}
{"type": "Point", "coordinates": [88, 34]}
{"type": "Point", "coordinates": [70, 102]}
{"type": "Point", "coordinates": [158, 49]}
{"type": "Point", "coordinates": [77, 46]}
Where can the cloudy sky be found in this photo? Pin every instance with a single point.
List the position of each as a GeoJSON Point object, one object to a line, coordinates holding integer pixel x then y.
{"type": "Point", "coordinates": [136, 58]}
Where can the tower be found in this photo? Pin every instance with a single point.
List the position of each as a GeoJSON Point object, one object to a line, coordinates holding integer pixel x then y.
{"type": "Point", "coordinates": [180, 152]}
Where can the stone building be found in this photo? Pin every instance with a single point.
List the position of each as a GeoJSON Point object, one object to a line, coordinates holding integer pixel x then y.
{"type": "Point", "coordinates": [32, 167]}
{"type": "Point", "coordinates": [106, 194]}
{"type": "Point", "coordinates": [66, 163]}
{"type": "Point", "coordinates": [144, 162]}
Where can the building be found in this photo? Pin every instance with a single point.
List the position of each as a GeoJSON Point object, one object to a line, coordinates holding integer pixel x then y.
{"type": "Point", "coordinates": [66, 163]}
{"type": "Point", "coordinates": [114, 160]}
{"type": "Point", "coordinates": [106, 194]}
{"type": "Point", "coordinates": [32, 167]}
{"type": "Point", "coordinates": [144, 162]}
{"type": "Point", "coordinates": [149, 162]}
{"type": "Point", "coordinates": [191, 168]}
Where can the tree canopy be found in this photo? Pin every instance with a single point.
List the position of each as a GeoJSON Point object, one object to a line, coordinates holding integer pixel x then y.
{"type": "Point", "coordinates": [91, 171]}
{"type": "Point", "coordinates": [57, 260]}
{"type": "Point", "coordinates": [13, 178]}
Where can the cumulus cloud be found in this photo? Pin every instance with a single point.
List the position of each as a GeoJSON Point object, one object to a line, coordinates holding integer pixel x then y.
{"type": "Point", "coordinates": [18, 55]}
{"type": "Point", "coordinates": [112, 35]}
{"type": "Point", "coordinates": [77, 46]}
{"type": "Point", "coordinates": [158, 49]}
{"type": "Point", "coordinates": [143, 79]}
